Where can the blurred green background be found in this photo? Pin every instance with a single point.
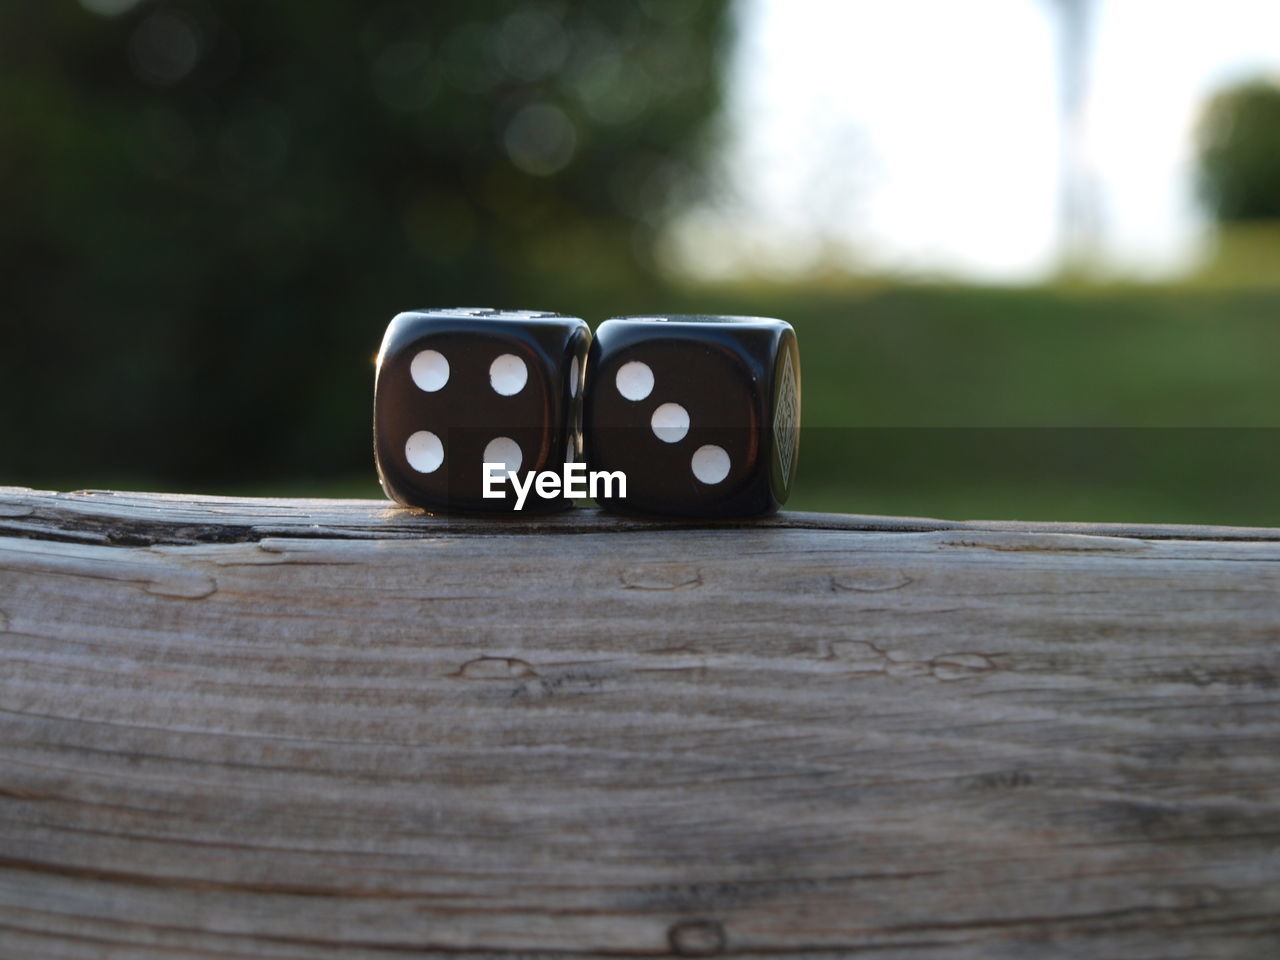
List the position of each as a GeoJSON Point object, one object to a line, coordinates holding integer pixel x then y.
{"type": "Point", "coordinates": [211, 210]}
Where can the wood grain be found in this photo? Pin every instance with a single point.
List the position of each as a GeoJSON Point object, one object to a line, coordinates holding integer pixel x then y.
{"type": "Point", "coordinates": [313, 729]}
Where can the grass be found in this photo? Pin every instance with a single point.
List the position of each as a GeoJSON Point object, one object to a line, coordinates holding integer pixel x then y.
{"type": "Point", "coordinates": [1127, 403]}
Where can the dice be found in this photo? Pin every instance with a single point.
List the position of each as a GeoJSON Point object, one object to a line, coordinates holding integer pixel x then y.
{"type": "Point", "coordinates": [701, 413]}
{"type": "Point", "coordinates": [462, 387]}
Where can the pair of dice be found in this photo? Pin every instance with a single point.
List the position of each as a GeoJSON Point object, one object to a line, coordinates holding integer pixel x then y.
{"type": "Point", "coordinates": [699, 414]}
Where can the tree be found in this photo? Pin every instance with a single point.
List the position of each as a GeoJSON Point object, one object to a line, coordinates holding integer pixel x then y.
{"type": "Point", "coordinates": [211, 209]}
{"type": "Point", "coordinates": [1239, 144]}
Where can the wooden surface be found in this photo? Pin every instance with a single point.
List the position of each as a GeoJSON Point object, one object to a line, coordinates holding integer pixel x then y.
{"type": "Point", "coordinates": [314, 729]}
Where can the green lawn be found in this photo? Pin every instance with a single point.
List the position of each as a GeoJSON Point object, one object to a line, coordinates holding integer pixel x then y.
{"type": "Point", "coordinates": [1128, 403]}
{"type": "Point", "coordinates": [1087, 404]}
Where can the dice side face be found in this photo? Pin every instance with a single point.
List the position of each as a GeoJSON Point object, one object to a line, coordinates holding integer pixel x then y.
{"type": "Point", "coordinates": [457, 388]}
{"type": "Point", "coordinates": [784, 413]}
{"type": "Point", "coordinates": [684, 406]}
{"type": "Point", "coordinates": [571, 381]}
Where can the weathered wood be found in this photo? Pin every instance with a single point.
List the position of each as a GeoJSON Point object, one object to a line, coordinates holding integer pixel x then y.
{"type": "Point", "coordinates": [235, 728]}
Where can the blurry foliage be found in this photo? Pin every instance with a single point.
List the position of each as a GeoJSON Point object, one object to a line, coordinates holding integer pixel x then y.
{"type": "Point", "coordinates": [212, 207]}
{"type": "Point", "coordinates": [1125, 403]}
{"type": "Point", "coordinates": [1239, 147]}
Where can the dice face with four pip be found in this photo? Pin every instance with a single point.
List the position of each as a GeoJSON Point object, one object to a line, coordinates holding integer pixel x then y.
{"type": "Point", "coordinates": [702, 413]}
{"type": "Point", "coordinates": [461, 387]}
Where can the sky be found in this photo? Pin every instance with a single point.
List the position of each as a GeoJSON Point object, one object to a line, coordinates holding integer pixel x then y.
{"type": "Point", "coordinates": [923, 137]}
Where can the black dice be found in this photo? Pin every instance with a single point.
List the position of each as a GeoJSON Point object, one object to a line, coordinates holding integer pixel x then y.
{"type": "Point", "coordinates": [701, 413]}
{"type": "Point", "coordinates": [459, 388]}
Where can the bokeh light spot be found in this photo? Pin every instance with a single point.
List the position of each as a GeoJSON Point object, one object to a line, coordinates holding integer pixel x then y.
{"type": "Point", "coordinates": [109, 8]}
{"type": "Point", "coordinates": [540, 139]}
{"type": "Point", "coordinates": [404, 76]}
{"type": "Point", "coordinates": [165, 47]}
{"type": "Point", "coordinates": [530, 45]}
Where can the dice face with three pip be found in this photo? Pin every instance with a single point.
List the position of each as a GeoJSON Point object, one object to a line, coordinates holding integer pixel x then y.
{"type": "Point", "coordinates": [702, 413]}
{"type": "Point", "coordinates": [462, 387]}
